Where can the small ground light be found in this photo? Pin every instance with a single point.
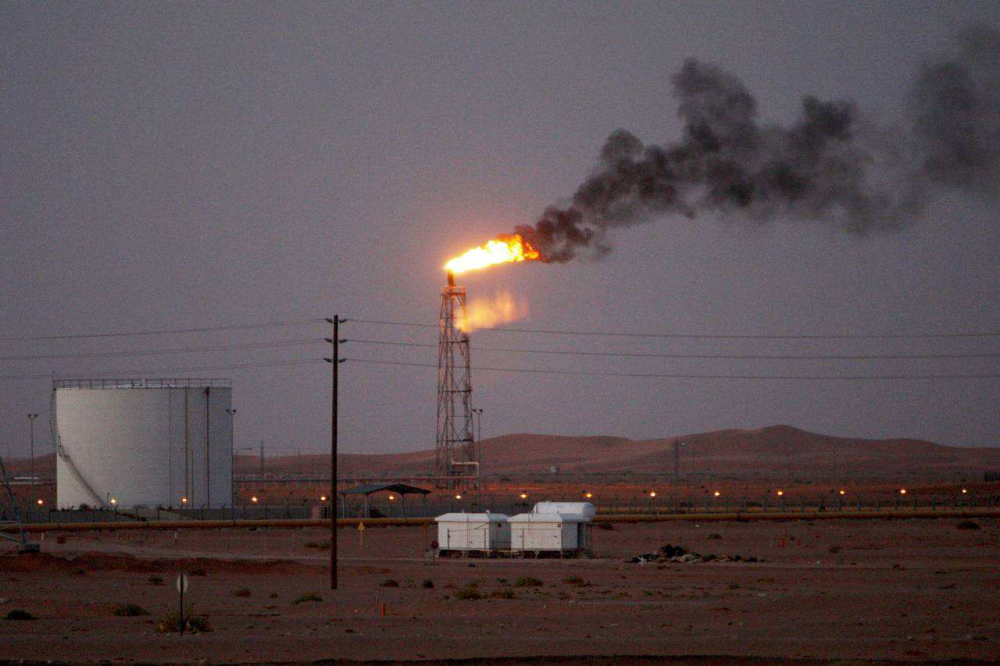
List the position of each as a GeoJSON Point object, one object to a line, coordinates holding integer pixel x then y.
{"type": "Point", "coordinates": [184, 500]}
{"type": "Point", "coordinates": [964, 491]}
{"type": "Point", "coordinates": [717, 493]}
{"type": "Point", "coordinates": [902, 491]}
{"type": "Point", "coordinates": [392, 497]}
{"type": "Point", "coordinates": [843, 492]}
{"type": "Point", "coordinates": [524, 495]}
{"type": "Point", "coordinates": [41, 502]}
{"type": "Point", "coordinates": [254, 499]}
{"type": "Point", "coordinates": [652, 493]}
{"type": "Point", "coordinates": [780, 493]}
{"type": "Point", "coordinates": [459, 496]}
{"type": "Point", "coordinates": [113, 501]}
{"type": "Point", "coordinates": [322, 498]}
{"type": "Point", "coordinates": [588, 495]}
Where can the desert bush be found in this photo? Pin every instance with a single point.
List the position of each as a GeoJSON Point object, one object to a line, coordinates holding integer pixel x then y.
{"type": "Point", "coordinates": [128, 610]}
{"type": "Point", "coordinates": [390, 582]}
{"type": "Point", "coordinates": [193, 623]}
{"type": "Point", "coordinates": [714, 536]}
{"type": "Point", "coordinates": [968, 525]}
{"type": "Point", "coordinates": [527, 581]}
{"type": "Point", "coordinates": [242, 592]}
{"type": "Point", "coordinates": [428, 583]}
{"type": "Point", "coordinates": [308, 596]}
{"type": "Point", "coordinates": [605, 526]}
{"type": "Point", "coordinates": [318, 545]}
{"type": "Point", "coordinates": [733, 586]}
{"type": "Point", "coordinates": [834, 549]}
{"type": "Point", "coordinates": [469, 593]}
{"type": "Point", "coordinates": [197, 571]}
{"type": "Point", "coordinates": [78, 572]}
{"type": "Point", "coordinates": [578, 581]}
{"type": "Point", "coordinates": [61, 538]}
{"type": "Point", "coordinates": [503, 593]}
{"type": "Point", "coordinates": [18, 614]}
{"type": "Point", "coordinates": [155, 580]}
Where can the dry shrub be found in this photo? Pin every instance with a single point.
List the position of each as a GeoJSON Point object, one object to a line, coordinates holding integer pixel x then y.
{"type": "Point", "coordinates": [469, 593]}
{"type": "Point", "coordinates": [128, 610]}
{"type": "Point", "coordinates": [18, 614]}
{"type": "Point", "coordinates": [193, 623]}
{"type": "Point", "coordinates": [308, 596]}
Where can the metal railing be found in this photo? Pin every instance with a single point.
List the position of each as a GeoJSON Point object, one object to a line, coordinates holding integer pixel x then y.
{"type": "Point", "coordinates": [99, 383]}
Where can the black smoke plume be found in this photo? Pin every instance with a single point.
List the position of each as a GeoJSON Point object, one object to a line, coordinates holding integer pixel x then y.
{"type": "Point", "coordinates": [830, 166]}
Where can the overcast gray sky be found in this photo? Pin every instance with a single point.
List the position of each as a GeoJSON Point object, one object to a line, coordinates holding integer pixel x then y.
{"type": "Point", "coordinates": [174, 165]}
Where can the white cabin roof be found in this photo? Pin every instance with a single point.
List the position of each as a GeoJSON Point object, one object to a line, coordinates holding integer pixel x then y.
{"type": "Point", "coordinates": [573, 508]}
{"type": "Point", "coordinates": [472, 518]}
{"type": "Point", "coordinates": [550, 518]}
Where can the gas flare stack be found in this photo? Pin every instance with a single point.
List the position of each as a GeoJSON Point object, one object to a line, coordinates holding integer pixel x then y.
{"type": "Point", "coordinates": [456, 462]}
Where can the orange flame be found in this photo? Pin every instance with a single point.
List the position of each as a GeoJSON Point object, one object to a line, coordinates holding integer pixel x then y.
{"type": "Point", "coordinates": [501, 250]}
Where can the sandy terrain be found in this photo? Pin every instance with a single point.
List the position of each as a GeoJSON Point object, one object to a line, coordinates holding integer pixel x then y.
{"type": "Point", "coordinates": [900, 590]}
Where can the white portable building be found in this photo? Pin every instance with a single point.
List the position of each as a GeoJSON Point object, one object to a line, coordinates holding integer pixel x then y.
{"type": "Point", "coordinates": [550, 532]}
{"type": "Point", "coordinates": [473, 531]}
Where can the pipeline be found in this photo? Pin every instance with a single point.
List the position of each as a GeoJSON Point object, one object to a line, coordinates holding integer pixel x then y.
{"type": "Point", "coordinates": [293, 523]}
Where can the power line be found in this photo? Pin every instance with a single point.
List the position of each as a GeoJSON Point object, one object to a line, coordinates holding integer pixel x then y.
{"type": "Point", "coordinates": [765, 357]}
{"type": "Point", "coordinates": [686, 376]}
{"type": "Point", "coordinates": [707, 336]}
{"type": "Point", "coordinates": [154, 352]}
{"type": "Point", "coordinates": [131, 334]}
{"type": "Point", "coordinates": [157, 371]}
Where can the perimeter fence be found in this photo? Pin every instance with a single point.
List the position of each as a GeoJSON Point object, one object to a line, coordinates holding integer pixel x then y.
{"type": "Point", "coordinates": [435, 506]}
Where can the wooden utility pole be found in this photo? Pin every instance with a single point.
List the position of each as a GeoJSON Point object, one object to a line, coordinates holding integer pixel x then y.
{"type": "Point", "coordinates": [335, 361]}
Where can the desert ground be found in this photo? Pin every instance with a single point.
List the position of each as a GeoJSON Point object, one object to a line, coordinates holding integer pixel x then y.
{"type": "Point", "coordinates": [900, 590]}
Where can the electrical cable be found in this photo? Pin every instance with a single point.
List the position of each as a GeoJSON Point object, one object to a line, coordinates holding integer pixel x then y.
{"type": "Point", "coordinates": [154, 371]}
{"type": "Point", "coordinates": [764, 357]}
{"type": "Point", "coordinates": [154, 352]}
{"type": "Point", "coordinates": [685, 376]}
{"type": "Point", "coordinates": [706, 336]}
{"type": "Point", "coordinates": [130, 334]}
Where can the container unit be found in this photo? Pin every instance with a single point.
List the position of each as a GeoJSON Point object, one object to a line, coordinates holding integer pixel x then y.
{"type": "Point", "coordinates": [575, 508]}
{"type": "Point", "coordinates": [473, 532]}
{"type": "Point", "coordinates": [550, 532]}
{"type": "Point", "coordinates": [142, 442]}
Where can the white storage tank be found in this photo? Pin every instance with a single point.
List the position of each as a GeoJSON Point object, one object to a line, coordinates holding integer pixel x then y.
{"type": "Point", "coordinates": [540, 532]}
{"type": "Point", "coordinates": [143, 442]}
{"type": "Point", "coordinates": [473, 531]}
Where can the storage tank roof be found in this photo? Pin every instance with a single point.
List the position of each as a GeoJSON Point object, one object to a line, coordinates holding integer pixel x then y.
{"type": "Point", "coordinates": [143, 383]}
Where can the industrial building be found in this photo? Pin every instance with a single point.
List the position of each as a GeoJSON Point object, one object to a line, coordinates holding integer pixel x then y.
{"type": "Point", "coordinates": [143, 442]}
{"type": "Point", "coordinates": [551, 527]}
{"type": "Point", "coordinates": [465, 532]}
{"type": "Point", "coordinates": [543, 532]}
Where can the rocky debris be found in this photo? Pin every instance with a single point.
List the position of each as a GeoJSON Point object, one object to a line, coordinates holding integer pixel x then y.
{"type": "Point", "coordinates": [681, 555]}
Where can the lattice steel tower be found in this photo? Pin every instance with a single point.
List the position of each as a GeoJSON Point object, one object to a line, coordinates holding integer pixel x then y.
{"type": "Point", "coordinates": [456, 446]}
